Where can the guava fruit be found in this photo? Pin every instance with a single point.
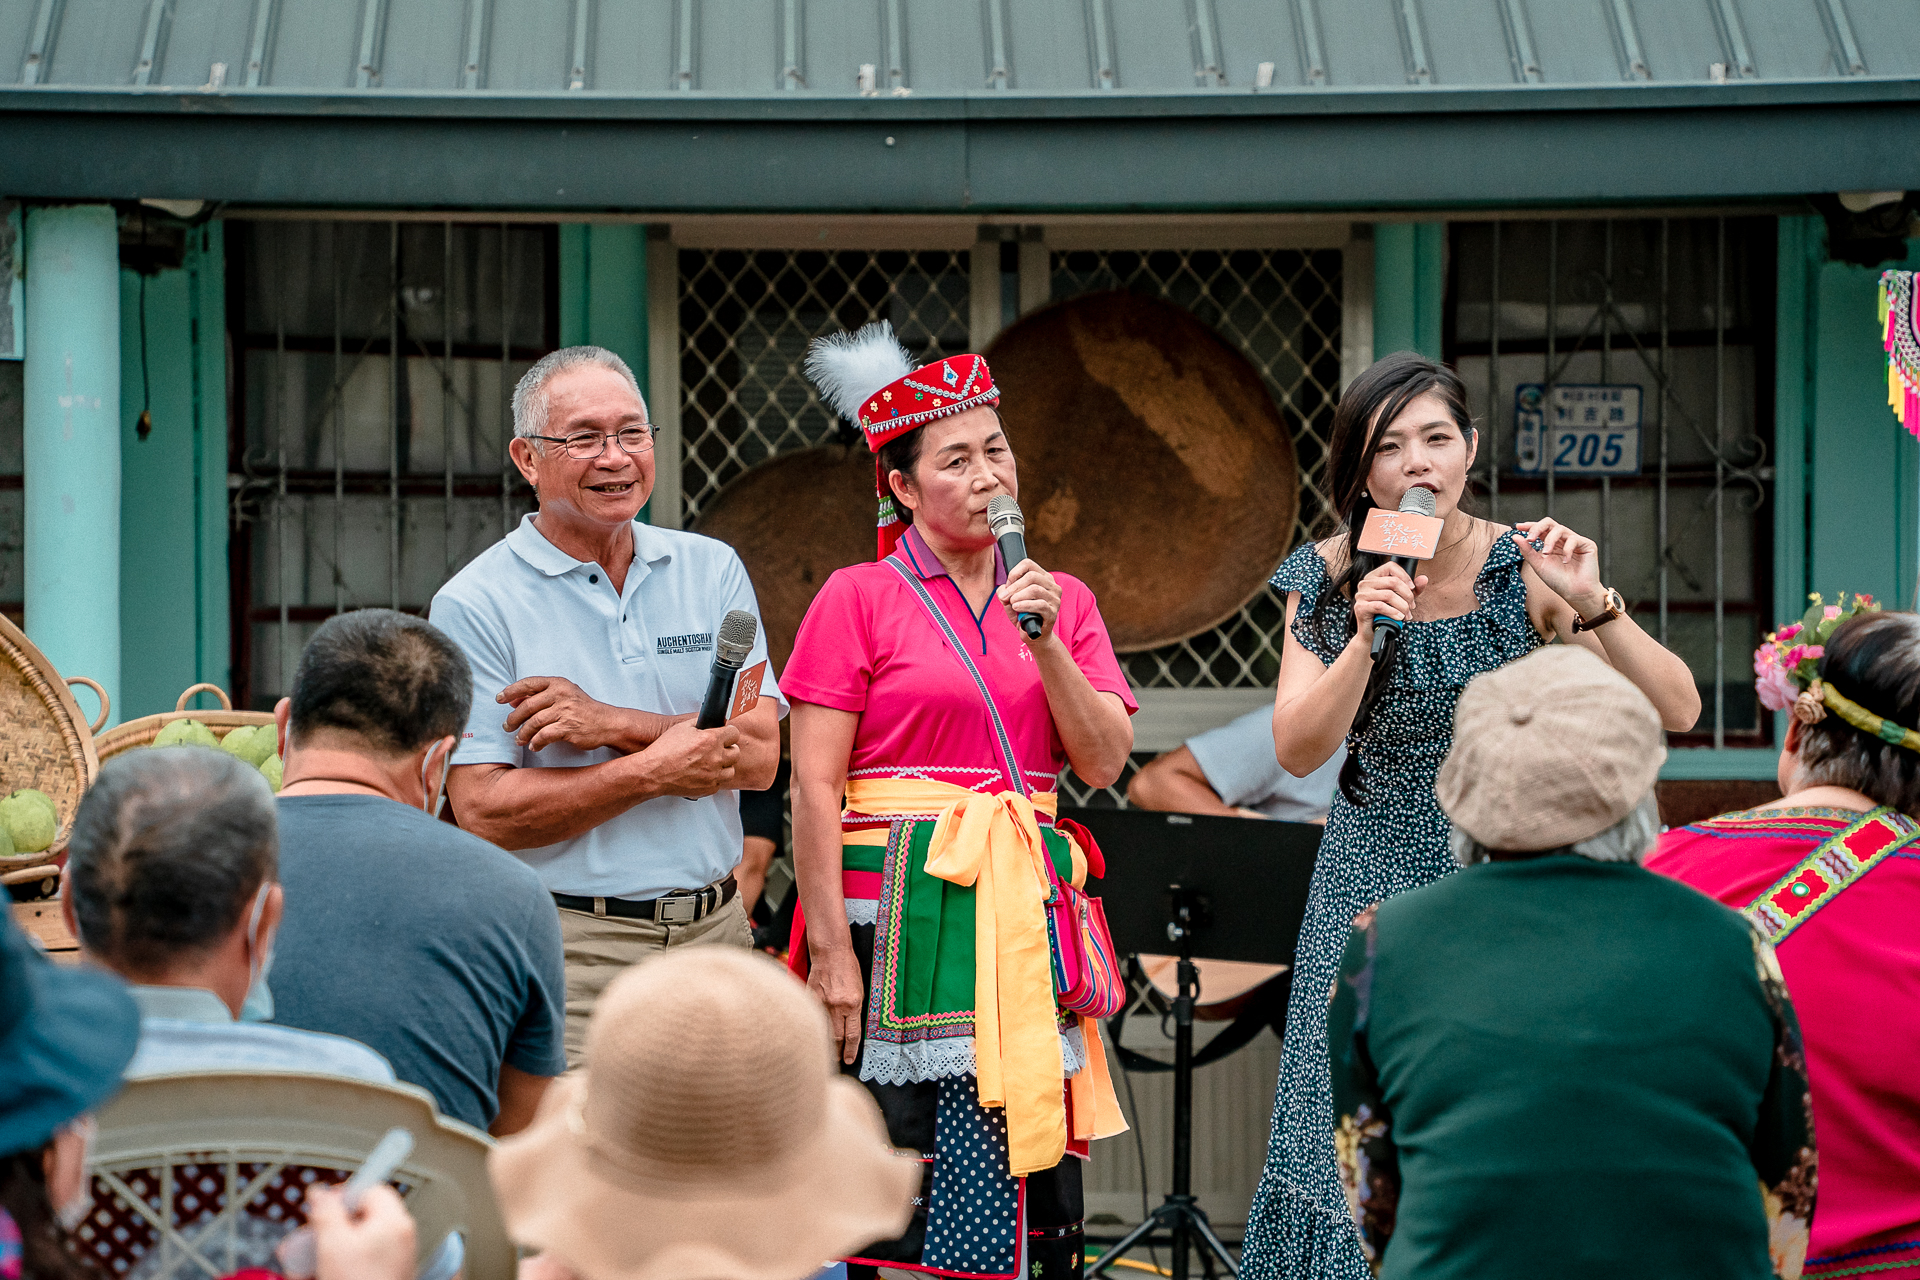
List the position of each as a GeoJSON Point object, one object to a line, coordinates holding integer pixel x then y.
{"type": "Point", "coordinates": [185, 733]}
{"type": "Point", "coordinates": [6, 842]}
{"type": "Point", "coordinates": [42, 799]}
{"type": "Point", "coordinates": [273, 772]}
{"type": "Point", "coordinates": [30, 819]}
{"type": "Point", "coordinates": [251, 743]}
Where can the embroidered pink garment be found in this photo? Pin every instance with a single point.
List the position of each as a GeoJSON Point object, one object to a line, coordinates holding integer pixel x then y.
{"type": "Point", "coordinates": [866, 645]}
{"type": "Point", "coordinates": [1853, 970]}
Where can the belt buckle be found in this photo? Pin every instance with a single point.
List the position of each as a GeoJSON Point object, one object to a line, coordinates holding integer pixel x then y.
{"type": "Point", "coordinates": [677, 909]}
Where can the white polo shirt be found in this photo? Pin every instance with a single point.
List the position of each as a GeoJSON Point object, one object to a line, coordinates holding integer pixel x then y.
{"type": "Point", "coordinates": [526, 608]}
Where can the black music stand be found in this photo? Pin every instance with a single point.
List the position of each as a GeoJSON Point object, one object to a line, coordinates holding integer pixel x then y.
{"type": "Point", "coordinates": [1223, 888]}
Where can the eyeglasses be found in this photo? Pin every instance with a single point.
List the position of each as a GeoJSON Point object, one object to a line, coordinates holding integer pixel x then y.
{"type": "Point", "coordinates": [591, 444]}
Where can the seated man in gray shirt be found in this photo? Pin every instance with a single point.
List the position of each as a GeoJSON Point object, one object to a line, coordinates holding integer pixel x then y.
{"type": "Point", "coordinates": [428, 943]}
{"type": "Point", "coordinates": [170, 883]}
{"type": "Point", "coordinates": [1233, 770]}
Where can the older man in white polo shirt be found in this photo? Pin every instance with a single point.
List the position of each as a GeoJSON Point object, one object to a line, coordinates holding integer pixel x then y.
{"type": "Point", "coordinates": [591, 636]}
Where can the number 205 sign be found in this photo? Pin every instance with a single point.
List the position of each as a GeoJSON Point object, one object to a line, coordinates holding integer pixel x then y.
{"type": "Point", "coordinates": [1595, 430]}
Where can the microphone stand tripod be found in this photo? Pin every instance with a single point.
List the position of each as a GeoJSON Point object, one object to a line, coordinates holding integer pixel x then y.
{"type": "Point", "coordinates": [1180, 1214]}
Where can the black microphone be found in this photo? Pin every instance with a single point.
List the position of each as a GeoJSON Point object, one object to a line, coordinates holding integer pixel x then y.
{"type": "Point", "coordinates": [1009, 529]}
{"type": "Point", "coordinates": [730, 651]}
{"type": "Point", "coordinates": [1415, 501]}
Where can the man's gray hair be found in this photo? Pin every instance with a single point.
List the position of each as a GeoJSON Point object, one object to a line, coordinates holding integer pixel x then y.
{"type": "Point", "coordinates": [530, 395]}
{"type": "Point", "coordinates": [169, 849]}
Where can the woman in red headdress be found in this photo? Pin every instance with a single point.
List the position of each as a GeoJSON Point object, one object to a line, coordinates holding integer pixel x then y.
{"type": "Point", "coordinates": [929, 733]}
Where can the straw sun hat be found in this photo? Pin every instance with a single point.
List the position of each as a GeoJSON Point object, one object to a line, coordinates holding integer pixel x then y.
{"type": "Point", "coordinates": [709, 1137]}
{"type": "Point", "coordinates": [1549, 751]}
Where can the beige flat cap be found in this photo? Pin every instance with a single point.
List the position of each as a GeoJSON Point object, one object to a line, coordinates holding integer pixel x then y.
{"type": "Point", "coordinates": [1548, 751]}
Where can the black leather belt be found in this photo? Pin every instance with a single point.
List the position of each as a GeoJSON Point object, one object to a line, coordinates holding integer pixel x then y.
{"type": "Point", "coordinates": [673, 908]}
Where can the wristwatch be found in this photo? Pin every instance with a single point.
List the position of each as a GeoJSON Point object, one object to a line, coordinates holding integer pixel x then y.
{"type": "Point", "coordinates": [1616, 606]}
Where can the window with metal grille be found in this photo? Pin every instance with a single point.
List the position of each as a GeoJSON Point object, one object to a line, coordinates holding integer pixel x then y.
{"type": "Point", "coordinates": [1623, 371]}
{"type": "Point", "coordinates": [374, 366]}
{"type": "Point", "coordinates": [746, 317]}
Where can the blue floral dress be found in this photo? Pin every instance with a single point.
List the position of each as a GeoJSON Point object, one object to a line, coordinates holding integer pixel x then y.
{"type": "Point", "coordinates": [1395, 841]}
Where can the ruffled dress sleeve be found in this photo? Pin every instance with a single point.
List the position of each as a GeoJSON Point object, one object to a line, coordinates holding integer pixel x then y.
{"type": "Point", "coordinates": [1324, 622]}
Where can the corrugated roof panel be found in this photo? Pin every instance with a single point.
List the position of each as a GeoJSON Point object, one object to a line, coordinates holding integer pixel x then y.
{"type": "Point", "coordinates": [422, 46]}
{"type": "Point", "coordinates": [1574, 41]}
{"type": "Point", "coordinates": [1051, 47]}
{"type": "Point", "coordinates": [740, 47]}
{"type": "Point", "coordinates": [737, 47]}
{"type": "Point", "coordinates": [1888, 36]}
{"type": "Point", "coordinates": [315, 43]}
{"type": "Point", "coordinates": [97, 43]}
{"type": "Point", "coordinates": [1153, 44]}
{"type": "Point", "coordinates": [1257, 31]}
{"type": "Point", "coordinates": [1793, 41]}
{"type": "Point", "coordinates": [946, 46]}
{"type": "Point", "coordinates": [1363, 44]}
{"type": "Point", "coordinates": [840, 35]}
{"type": "Point", "coordinates": [1681, 40]}
{"type": "Point", "coordinates": [196, 34]}
{"type": "Point", "coordinates": [1467, 40]}
{"type": "Point", "coordinates": [632, 47]}
{"type": "Point", "coordinates": [16, 22]}
{"type": "Point", "coordinates": [529, 45]}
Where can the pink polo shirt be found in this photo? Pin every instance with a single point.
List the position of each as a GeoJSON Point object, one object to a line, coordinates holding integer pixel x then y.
{"type": "Point", "coordinates": [867, 645]}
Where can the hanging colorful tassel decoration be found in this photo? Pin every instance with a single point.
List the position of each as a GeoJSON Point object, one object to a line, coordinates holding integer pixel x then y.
{"type": "Point", "coordinates": [1900, 327]}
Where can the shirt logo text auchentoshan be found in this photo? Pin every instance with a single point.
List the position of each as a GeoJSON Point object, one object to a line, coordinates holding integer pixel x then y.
{"type": "Point", "coordinates": [693, 643]}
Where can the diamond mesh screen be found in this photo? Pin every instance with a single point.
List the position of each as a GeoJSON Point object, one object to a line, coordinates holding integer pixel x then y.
{"type": "Point", "coordinates": [746, 317]}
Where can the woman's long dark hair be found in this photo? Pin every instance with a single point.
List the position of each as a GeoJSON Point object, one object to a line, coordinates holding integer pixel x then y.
{"type": "Point", "coordinates": [1366, 409]}
{"type": "Point", "coordinates": [1874, 659]}
{"type": "Point", "coordinates": [23, 1194]}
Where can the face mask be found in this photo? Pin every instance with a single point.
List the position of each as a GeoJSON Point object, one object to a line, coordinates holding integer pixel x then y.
{"type": "Point", "coordinates": [434, 801]}
{"type": "Point", "coordinates": [258, 1006]}
{"type": "Point", "coordinates": [76, 1211]}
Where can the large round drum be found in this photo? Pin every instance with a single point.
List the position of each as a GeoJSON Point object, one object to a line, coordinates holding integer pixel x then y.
{"type": "Point", "coordinates": [794, 520]}
{"type": "Point", "coordinates": [1153, 466]}
{"type": "Point", "coordinates": [1153, 463]}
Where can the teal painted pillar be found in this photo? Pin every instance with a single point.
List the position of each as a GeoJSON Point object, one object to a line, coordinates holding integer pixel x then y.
{"type": "Point", "coordinates": [72, 428]}
{"type": "Point", "coordinates": [603, 292]}
{"type": "Point", "coordinates": [173, 561]}
{"type": "Point", "coordinates": [1862, 467]}
{"type": "Point", "coordinates": [1409, 287]}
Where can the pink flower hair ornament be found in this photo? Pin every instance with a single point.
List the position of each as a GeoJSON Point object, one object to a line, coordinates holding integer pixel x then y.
{"type": "Point", "coordinates": [1786, 666]}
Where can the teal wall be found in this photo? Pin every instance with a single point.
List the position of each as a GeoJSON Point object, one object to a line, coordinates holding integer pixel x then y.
{"type": "Point", "coordinates": [1863, 469]}
{"type": "Point", "coordinates": [1848, 476]}
{"type": "Point", "coordinates": [603, 292]}
{"type": "Point", "coordinates": [173, 498]}
{"type": "Point", "coordinates": [1409, 287]}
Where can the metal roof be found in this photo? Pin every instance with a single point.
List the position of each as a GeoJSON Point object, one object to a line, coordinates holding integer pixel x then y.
{"type": "Point", "coordinates": [971, 106]}
{"type": "Point", "coordinates": [818, 47]}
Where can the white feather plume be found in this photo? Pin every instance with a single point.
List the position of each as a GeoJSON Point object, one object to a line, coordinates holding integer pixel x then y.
{"type": "Point", "coordinates": [850, 367]}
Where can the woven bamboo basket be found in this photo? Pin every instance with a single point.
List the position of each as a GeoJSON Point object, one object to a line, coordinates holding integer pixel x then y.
{"type": "Point", "coordinates": [45, 741]}
{"type": "Point", "coordinates": [142, 732]}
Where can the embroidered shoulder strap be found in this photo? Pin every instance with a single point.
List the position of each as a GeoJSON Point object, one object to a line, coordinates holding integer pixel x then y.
{"type": "Point", "coordinates": [1015, 777]}
{"type": "Point", "coordinates": [1818, 878]}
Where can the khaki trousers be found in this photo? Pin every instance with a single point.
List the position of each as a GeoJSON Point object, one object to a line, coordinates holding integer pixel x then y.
{"type": "Point", "coordinates": [598, 948]}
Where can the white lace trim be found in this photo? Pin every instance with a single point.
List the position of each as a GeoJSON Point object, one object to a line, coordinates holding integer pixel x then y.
{"type": "Point", "coordinates": [863, 911]}
{"type": "Point", "coordinates": [1073, 1051]}
{"type": "Point", "coordinates": [950, 1056]}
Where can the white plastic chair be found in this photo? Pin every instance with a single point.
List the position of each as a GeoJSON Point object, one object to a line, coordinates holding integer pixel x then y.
{"type": "Point", "coordinates": [193, 1171]}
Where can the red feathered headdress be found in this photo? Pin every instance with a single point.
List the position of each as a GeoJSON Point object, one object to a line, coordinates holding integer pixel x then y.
{"type": "Point", "coordinates": [870, 381]}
